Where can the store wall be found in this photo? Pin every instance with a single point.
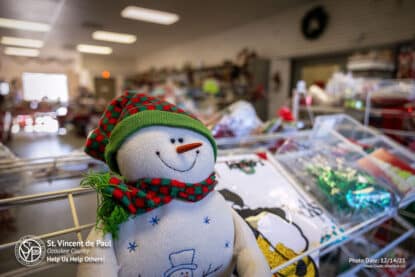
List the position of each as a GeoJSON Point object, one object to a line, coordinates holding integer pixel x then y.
{"type": "Point", "coordinates": [92, 66]}
{"type": "Point", "coordinates": [353, 24]}
{"type": "Point", "coordinates": [13, 67]}
{"type": "Point", "coordinates": [279, 91]}
{"type": "Point", "coordinates": [80, 70]}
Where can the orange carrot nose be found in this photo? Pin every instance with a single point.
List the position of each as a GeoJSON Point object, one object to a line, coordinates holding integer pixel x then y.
{"type": "Point", "coordinates": [187, 147]}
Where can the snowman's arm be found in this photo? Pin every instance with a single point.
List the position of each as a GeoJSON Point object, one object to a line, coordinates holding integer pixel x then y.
{"type": "Point", "coordinates": [249, 259]}
{"type": "Point", "coordinates": [109, 267]}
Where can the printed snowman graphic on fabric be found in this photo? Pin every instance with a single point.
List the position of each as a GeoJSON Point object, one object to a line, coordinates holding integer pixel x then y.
{"type": "Point", "coordinates": [280, 235]}
{"type": "Point", "coordinates": [181, 264]}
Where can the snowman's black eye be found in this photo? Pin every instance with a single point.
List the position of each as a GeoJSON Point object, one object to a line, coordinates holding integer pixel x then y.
{"type": "Point", "coordinates": [172, 140]}
{"type": "Point", "coordinates": [157, 153]}
{"type": "Point", "coordinates": [180, 140]}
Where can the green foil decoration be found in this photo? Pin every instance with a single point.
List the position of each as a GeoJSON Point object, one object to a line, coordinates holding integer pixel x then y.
{"type": "Point", "coordinates": [350, 189]}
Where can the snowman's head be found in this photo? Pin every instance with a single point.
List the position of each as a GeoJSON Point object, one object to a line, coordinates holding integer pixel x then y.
{"type": "Point", "coordinates": [140, 136]}
{"type": "Point", "coordinates": [166, 152]}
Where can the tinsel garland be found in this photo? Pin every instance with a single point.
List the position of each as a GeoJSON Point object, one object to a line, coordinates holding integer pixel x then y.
{"type": "Point", "coordinates": [349, 189]}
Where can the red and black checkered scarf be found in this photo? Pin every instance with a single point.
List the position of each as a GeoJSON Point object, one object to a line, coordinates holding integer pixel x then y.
{"type": "Point", "coordinates": [150, 193]}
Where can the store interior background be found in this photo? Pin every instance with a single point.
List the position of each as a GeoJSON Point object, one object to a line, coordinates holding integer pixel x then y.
{"type": "Point", "coordinates": [209, 38]}
{"type": "Point", "coordinates": [204, 36]}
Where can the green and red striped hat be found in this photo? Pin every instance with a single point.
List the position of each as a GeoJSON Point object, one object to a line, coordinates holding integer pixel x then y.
{"type": "Point", "coordinates": [131, 112]}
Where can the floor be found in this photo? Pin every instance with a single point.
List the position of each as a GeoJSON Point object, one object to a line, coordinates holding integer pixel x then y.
{"type": "Point", "coordinates": [35, 145]}
{"type": "Point", "coordinates": [47, 216]}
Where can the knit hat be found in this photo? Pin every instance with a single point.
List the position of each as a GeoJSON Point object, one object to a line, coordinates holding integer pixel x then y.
{"type": "Point", "coordinates": [131, 112]}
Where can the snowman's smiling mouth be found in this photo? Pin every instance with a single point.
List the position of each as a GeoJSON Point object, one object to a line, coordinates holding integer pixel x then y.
{"type": "Point", "coordinates": [177, 169]}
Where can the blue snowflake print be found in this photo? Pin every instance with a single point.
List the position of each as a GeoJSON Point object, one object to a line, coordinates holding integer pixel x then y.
{"type": "Point", "coordinates": [154, 220]}
{"type": "Point", "coordinates": [132, 246]}
{"type": "Point", "coordinates": [227, 244]}
{"type": "Point", "coordinates": [206, 220]}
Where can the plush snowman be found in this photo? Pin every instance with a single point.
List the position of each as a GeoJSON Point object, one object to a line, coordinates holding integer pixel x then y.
{"type": "Point", "coordinates": [158, 206]}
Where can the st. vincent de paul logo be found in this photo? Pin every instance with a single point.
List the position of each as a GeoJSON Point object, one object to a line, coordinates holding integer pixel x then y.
{"type": "Point", "coordinates": [30, 250]}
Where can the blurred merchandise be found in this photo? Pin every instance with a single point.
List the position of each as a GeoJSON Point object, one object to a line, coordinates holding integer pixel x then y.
{"type": "Point", "coordinates": [375, 63]}
{"type": "Point", "coordinates": [406, 62]}
{"type": "Point", "coordinates": [245, 78]}
{"type": "Point", "coordinates": [238, 120]}
{"type": "Point", "coordinates": [386, 104]}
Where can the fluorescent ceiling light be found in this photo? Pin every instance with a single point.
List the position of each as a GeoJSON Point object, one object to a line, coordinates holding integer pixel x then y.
{"type": "Point", "coordinates": [137, 13]}
{"type": "Point", "coordinates": [27, 52]}
{"type": "Point", "coordinates": [24, 25]}
{"type": "Point", "coordinates": [34, 43]}
{"type": "Point", "coordinates": [114, 37]}
{"type": "Point", "coordinates": [94, 49]}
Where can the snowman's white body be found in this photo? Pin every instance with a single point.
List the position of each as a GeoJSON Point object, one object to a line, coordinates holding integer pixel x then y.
{"type": "Point", "coordinates": [186, 239]}
{"type": "Point", "coordinates": [159, 233]}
